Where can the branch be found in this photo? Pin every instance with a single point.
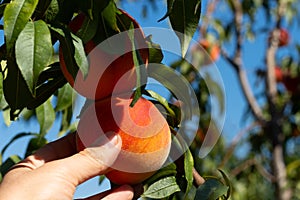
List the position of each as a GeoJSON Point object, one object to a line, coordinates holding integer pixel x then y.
{"type": "Point", "coordinates": [199, 180]}
{"type": "Point", "coordinates": [246, 89]}
{"type": "Point", "coordinates": [253, 162]}
{"type": "Point", "coordinates": [238, 66]}
{"type": "Point", "coordinates": [234, 143]}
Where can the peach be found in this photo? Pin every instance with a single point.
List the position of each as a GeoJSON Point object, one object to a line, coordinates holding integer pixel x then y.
{"type": "Point", "coordinates": [145, 135]}
{"type": "Point", "coordinates": [109, 72]}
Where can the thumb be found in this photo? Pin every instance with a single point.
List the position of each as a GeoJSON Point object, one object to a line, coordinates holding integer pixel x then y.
{"type": "Point", "coordinates": [92, 161]}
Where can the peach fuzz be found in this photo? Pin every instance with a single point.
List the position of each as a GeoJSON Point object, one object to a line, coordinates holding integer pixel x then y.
{"type": "Point", "coordinates": [145, 134]}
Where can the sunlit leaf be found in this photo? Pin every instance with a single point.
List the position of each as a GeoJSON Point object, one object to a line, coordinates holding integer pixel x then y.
{"type": "Point", "coordinates": [33, 51]}
{"type": "Point", "coordinates": [162, 188]}
{"type": "Point", "coordinates": [109, 15]}
{"type": "Point", "coordinates": [16, 15]}
{"type": "Point", "coordinates": [188, 170]}
{"type": "Point", "coordinates": [45, 115]}
{"type": "Point", "coordinates": [64, 98]}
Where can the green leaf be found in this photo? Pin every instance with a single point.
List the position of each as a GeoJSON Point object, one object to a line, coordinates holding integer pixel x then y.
{"type": "Point", "coordinates": [212, 189]}
{"type": "Point", "coordinates": [8, 163]}
{"type": "Point", "coordinates": [33, 52]}
{"type": "Point", "coordinates": [188, 170]}
{"type": "Point", "coordinates": [18, 136]}
{"type": "Point", "coordinates": [6, 117]}
{"type": "Point", "coordinates": [141, 74]}
{"type": "Point", "coordinates": [16, 92]}
{"type": "Point", "coordinates": [162, 188]}
{"type": "Point", "coordinates": [41, 8]}
{"type": "Point", "coordinates": [162, 101]}
{"type": "Point", "coordinates": [184, 18]}
{"type": "Point", "coordinates": [177, 84]}
{"type": "Point", "coordinates": [109, 15]}
{"type": "Point", "coordinates": [64, 98]}
{"type": "Point", "coordinates": [45, 115]}
{"type": "Point", "coordinates": [46, 90]}
{"type": "Point", "coordinates": [35, 144]}
{"type": "Point", "coordinates": [228, 183]}
{"type": "Point", "coordinates": [169, 170]}
{"type": "Point", "coordinates": [52, 11]}
{"type": "Point", "coordinates": [155, 53]}
{"type": "Point", "coordinates": [16, 15]}
{"type": "Point", "coordinates": [88, 28]}
{"type": "Point", "coordinates": [1, 87]}
{"type": "Point", "coordinates": [73, 51]}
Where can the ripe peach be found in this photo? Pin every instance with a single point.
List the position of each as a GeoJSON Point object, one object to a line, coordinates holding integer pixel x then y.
{"type": "Point", "coordinates": [210, 52]}
{"type": "Point", "coordinates": [108, 71]}
{"type": "Point", "coordinates": [278, 74]}
{"type": "Point", "coordinates": [144, 132]}
{"type": "Point", "coordinates": [284, 37]}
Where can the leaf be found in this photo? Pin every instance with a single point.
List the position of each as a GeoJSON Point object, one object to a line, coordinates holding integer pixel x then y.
{"type": "Point", "coordinates": [162, 101]}
{"type": "Point", "coordinates": [155, 53]}
{"type": "Point", "coordinates": [184, 18]}
{"type": "Point", "coordinates": [6, 117]}
{"type": "Point", "coordinates": [16, 15]}
{"type": "Point", "coordinates": [162, 188]}
{"type": "Point", "coordinates": [169, 170]}
{"type": "Point", "coordinates": [18, 136]}
{"type": "Point", "coordinates": [141, 73]}
{"type": "Point", "coordinates": [64, 98]}
{"type": "Point", "coordinates": [109, 15]}
{"type": "Point", "coordinates": [35, 144]}
{"type": "Point", "coordinates": [52, 11]}
{"type": "Point", "coordinates": [33, 52]}
{"type": "Point", "coordinates": [211, 189]}
{"type": "Point", "coordinates": [228, 183]}
{"type": "Point", "coordinates": [45, 115]}
{"type": "Point", "coordinates": [8, 163]}
{"type": "Point", "coordinates": [42, 7]}
{"type": "Point", "coordinates": [1, 87]}
{"type": "Point", "coordinates": [188, 170]}
{"type": "Point", "coordinates": [46, 90]}
{"type": "Point", "coordinates": [16, 92]}
{"type": "Point", "coordinates": [73, 51]}
{"type": "Point", "coordinates": [177, 84]}
{"type": "Point", "coordinates": [88, 28]}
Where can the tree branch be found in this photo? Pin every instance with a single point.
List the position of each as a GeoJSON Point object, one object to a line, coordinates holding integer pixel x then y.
{"type": "Point", "coordinates": [199, 180]}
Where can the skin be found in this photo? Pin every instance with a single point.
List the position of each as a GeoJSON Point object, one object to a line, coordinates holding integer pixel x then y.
{"type": "Point", "coordinates": [56, 169]}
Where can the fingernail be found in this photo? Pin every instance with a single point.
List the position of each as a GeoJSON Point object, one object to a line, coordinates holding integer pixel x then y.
{"type": "Point", "coordinates": [113, 137]}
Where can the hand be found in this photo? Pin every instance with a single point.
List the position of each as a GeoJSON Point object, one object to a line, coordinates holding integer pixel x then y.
{"type": "Point", "coordinates": [54, 171]}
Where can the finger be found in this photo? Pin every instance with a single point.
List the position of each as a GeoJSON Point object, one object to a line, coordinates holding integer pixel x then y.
{"type": "Point", "coordinates": [61, 148]}
{"type": "Point", "coordinates": [124, 192]}
{"type": "Point", "coordinates": [86, 164]}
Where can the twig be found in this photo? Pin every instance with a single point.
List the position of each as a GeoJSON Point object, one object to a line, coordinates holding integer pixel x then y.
{"type": "Point", "coordinates": [199, 180]}
{"type": "Point", "coordinates": [235, 141]}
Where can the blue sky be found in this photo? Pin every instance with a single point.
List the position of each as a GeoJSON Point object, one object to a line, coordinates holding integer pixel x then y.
{"type": "Point", "coordinates": [235, 103]}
